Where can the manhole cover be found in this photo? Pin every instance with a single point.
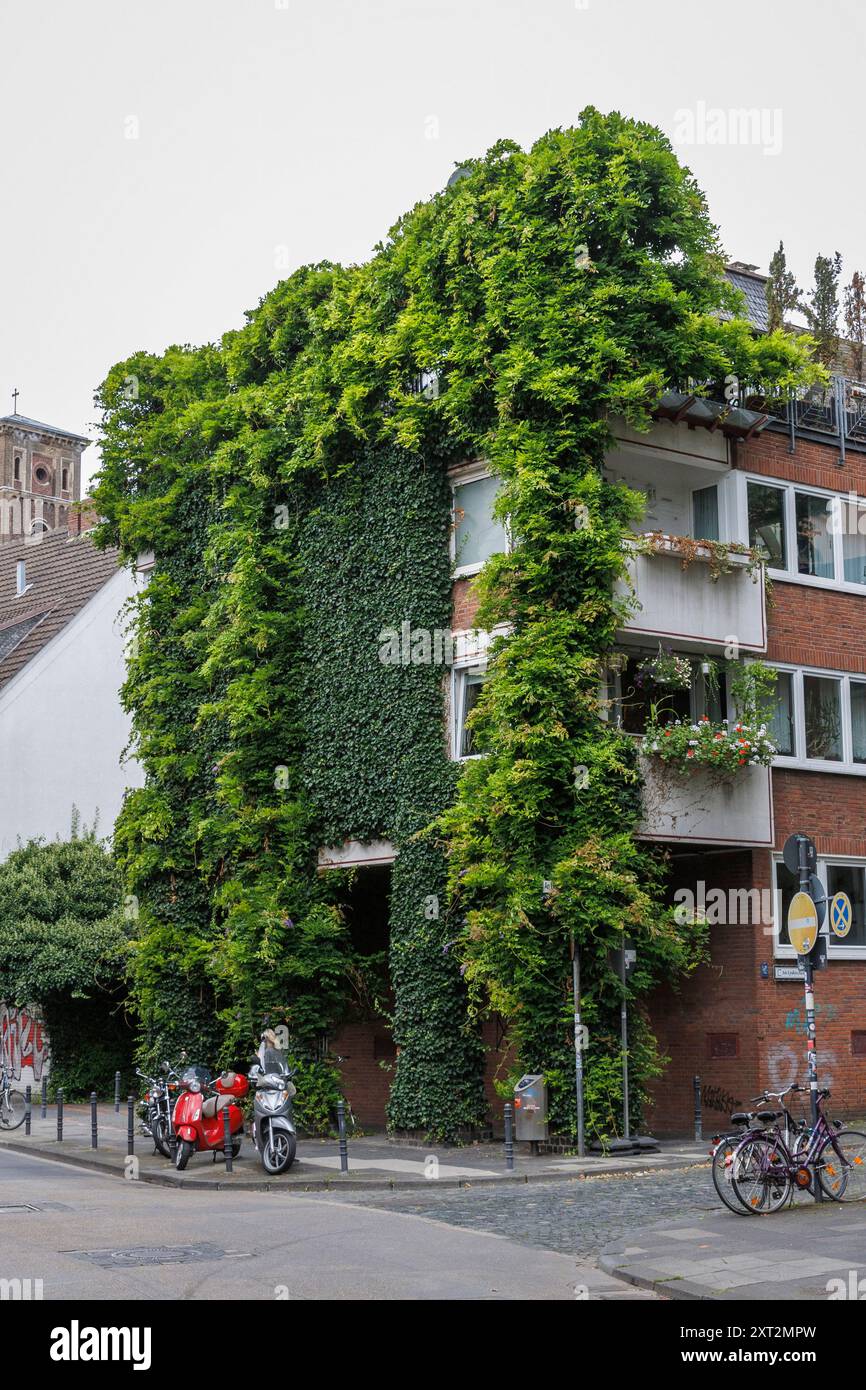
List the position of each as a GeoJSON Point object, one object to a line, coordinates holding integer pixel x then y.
{"type": "Point", "coordinates": [129, 1255]}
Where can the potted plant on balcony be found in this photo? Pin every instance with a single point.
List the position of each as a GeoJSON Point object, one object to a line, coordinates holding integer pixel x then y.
{"type": "Point", "coordinates": [724, 746]}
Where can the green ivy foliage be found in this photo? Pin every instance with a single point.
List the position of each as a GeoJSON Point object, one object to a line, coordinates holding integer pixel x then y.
{"type": "Point", "coordinates": [64, 945]}
{"type": "Point", "coordinates": [291, 483]}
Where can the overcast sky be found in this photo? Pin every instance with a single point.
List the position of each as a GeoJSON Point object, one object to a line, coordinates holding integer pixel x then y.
{"type": "Point", "coordinates": [166, 162]}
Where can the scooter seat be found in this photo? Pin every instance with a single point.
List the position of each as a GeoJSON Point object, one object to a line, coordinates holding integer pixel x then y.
{"type": "Point", "coordinates": [213, 1105]}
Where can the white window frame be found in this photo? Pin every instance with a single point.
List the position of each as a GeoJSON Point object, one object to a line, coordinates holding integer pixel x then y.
{"type": "Point", "coordinates": [798, 760]}
{"type": "Point", "coordinates": [790, 574]}
{"type": "Point", "coordinates": [468, 473]}
{"type": "Point", "coordinates": [837, 949]}
{"type": "Point", "coordinates": [459, 672]}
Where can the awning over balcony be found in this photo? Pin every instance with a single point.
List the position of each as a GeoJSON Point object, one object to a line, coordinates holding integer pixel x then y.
{"type": "Point", "coordinates": [734, 421]}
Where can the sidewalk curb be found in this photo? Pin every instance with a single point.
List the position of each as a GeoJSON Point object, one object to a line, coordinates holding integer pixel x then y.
{"type": "Point", "coordinates": [677, 1290]}
{"type": "Point", "coordinates": [334, 1183]}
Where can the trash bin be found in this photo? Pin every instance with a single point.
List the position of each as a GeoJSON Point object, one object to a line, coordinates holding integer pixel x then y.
{"type": "Point", "coordinates": [530, 1107]}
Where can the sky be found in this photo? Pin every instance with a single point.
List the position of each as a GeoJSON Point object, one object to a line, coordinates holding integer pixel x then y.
{"type": "Point", "coordinates": [166, 163]}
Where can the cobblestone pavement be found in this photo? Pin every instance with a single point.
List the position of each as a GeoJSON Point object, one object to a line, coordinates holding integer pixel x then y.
{"type": "Point", "coordinates": [575, 1217]}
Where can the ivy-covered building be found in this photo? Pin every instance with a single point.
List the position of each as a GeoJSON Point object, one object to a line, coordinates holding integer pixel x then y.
{"type": "Point", "coordinates": [422, 532]}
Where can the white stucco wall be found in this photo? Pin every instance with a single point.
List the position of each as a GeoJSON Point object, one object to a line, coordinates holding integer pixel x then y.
{"type": "Point", "coordinates": [62, 729]}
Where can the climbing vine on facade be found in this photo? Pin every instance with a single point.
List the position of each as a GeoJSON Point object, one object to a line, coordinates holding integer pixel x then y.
{"type": "Point", "coordinates": [291, 482]}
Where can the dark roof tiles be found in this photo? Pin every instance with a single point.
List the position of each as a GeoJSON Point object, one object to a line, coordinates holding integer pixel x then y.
{"type": "Point", "coordinates": [62, 574]}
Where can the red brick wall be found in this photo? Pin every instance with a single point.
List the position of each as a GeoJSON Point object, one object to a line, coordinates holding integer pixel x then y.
{"type": "Point", "coordinates": [365, 1081]}
{"type": "Point", "coordinates": [464, 605]}
{"type": "Point", "coordinates": [807, 626]}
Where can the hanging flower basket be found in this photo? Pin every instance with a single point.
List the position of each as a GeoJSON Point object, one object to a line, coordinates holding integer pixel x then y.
{"type": "Point", "coordinates": [674, 672]}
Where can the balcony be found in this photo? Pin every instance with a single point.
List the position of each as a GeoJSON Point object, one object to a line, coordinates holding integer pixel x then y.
{"type": "Point", "coordinates": [680, 595]}
{"type": "Point", "coordinates": [697, 806]}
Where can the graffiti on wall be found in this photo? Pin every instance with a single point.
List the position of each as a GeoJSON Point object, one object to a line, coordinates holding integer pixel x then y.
{"type": "Point", "coordinates": [23, 1040]}
{"type": "Point", "coordinates": [787, 1065]}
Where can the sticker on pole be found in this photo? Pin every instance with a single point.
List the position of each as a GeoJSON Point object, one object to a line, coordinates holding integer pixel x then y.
{"type": "Point", "coordinates": [841, 914]}
{"type": "Point", "coordinates": [802, 923]}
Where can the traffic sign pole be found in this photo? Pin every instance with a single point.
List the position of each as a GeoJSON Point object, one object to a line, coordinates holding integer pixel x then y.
{"type": "Point", "coordinates": [811, 1054]}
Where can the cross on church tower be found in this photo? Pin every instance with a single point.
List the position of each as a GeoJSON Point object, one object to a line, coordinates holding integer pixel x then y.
{"type": "Point", "coordinates": [15, 394]}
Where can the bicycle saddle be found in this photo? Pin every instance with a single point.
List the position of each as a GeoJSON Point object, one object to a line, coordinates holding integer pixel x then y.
{"type": "Point", "coordinates": [741, 1117]}
{"type": "Point", "coordinates": [768, 1116]}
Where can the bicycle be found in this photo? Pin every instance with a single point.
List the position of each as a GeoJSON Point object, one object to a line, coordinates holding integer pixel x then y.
{"type": "Point", "coordinates": [765, 1172]}
{"type": "Point", "coordinates": [752, 1124]}
{"type": "Point", "coordinates": [13, 1106]}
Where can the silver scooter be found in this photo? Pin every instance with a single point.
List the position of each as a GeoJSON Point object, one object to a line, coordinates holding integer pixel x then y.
{"type": "Point", "coordinates": [273, 1125]}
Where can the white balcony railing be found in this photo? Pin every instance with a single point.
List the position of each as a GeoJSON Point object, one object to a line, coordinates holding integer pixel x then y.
{"type": "Point", "coordinates": [696, 805]}
{"type": "Point", "coordinates": [676, 596]}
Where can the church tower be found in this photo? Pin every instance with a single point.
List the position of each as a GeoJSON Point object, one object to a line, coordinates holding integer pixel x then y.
{"type": "Point", "coordinates": [40, 477]}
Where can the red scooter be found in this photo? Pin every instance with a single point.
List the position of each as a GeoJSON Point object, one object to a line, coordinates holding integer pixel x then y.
{"type": "Point", "coordinates": [198, 1119]}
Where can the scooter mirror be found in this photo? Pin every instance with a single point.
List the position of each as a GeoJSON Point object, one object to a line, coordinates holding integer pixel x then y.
{"type": "Point", "coordinates": [163, 1066]}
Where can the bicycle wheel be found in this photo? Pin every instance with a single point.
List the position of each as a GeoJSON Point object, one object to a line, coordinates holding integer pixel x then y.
{"type": "Point", "coordinates": [759, 1176]}
{"type": "Point", "coordinates": [843, 1179]}
{"type": "Point", "coordinates": [13, 1108]}
{"type": "Point", "coordinates": [723, 1163]}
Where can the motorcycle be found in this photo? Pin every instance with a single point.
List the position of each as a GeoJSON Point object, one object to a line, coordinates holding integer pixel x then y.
{"type": "Point", "coordinates": [156, 1120]}
{"type": "Point", "coordinates": [273, 1125]}
{"type": "Point", "coordinates": [198, 1119]}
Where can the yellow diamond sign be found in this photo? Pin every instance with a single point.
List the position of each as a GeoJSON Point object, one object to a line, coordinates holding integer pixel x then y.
{"type": "Point", "coordinates": [802, 923]}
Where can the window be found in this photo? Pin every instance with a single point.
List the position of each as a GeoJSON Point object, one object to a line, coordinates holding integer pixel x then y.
{"type": "Point", "coordinates": [636, 693]}
{"type": "Point", "coordinates": [41, 475]}
{"type": "Point", "coordinates": [467, 683]}
{"type": "Point", "coordinates": [17, 473]}
{"type": "Point", "coordinates": [822, 710]}
{"type": "Point", "coordinates": [64, 479]}
{"type": "Point", "coordinates": [858, 721]}
{"type": "Point", "coordinates": [477, 535]}
{"type": "Point", "coordinates": [847, 878]}
{"type": "Point", "coordinates": [782, 724]}
{"type": "Point", "coordinates": [814, 537]}
{"type": "Point", "coordinates": [21, 585]}
{"type": "Point", "coordinates": [629, 693]}
{"type": "Point", "coordinates": [838, 877]}
{"type": "Point", "coordinates": [705, 513]}
{"type": "Point", "coordinates": [808, 534]}
{"type": "Point", "coordinates": [858, 1042]}
{"type": "Point", "coordinates": [766, 507]}
{"type": "Point", "coordinates": [819, 720]}
{"type": "Point", "coordinates": [852, 523]}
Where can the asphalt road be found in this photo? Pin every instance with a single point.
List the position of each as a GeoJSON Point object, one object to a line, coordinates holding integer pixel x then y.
{"type": "Point", "coordinates": [97, 1237]}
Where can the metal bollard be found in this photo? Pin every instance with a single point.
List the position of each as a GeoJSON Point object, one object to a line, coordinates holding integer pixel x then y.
{"type": "Point", "coordinates": [60, 1116]}
{"type": "Point", "coordinates": [698, 1118]}
{"type": "Point", "coordinates": [44, 1096]}
{"type": "Point", "coordinates": [28, 1097]}
{"type": "Point", "coordinates": [509, 1136]}
{"type": "Point", "coordinates": [94, 1144]}
{"type": "Point", "coordinates": [227, 1139]}
{"type": "Point", "coordinates": [117, 1093]}
{"type": "Point", "coordinates": [341, 1126]}
{"type": "Point", "coordinates": [130, 1125]}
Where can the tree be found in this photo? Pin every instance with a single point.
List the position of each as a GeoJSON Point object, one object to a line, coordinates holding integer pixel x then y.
{"type": "Point", "coordinates": [63, 946]}
{"type": "Point", "coordinates": [822, 309]}
{"type": "Point", "coordinates": [855, 320]}
{"type": "Point", "coordinates": [782, 291]}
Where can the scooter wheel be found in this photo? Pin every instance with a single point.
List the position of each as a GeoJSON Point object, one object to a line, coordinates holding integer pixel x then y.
{"type": "Point", "coordinates": [278, 1155]}
{"type": "Point", "coordinates": [184, 1154]}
